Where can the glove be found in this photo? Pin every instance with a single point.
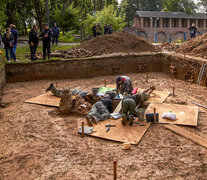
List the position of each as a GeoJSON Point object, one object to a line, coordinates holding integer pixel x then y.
{"type": "Point", "coordinates": [118, 96]}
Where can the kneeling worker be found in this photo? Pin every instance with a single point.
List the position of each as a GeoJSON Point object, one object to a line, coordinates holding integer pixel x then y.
{"type": "Point", "coordinates": [101, 110]}
{"type": "Point", "coordinates": [124, 85]}
{"type": "Point", "coordinates": [130, 102]}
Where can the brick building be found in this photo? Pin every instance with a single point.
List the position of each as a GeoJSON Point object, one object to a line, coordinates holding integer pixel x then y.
{"type": "Point", "coordinates": [167, 26]}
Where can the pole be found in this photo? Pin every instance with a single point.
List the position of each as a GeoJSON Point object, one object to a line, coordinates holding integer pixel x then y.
{"type": "Point", "coordinates": [115, 170]}
{"type": "Point", "coordinates": [47, 12]}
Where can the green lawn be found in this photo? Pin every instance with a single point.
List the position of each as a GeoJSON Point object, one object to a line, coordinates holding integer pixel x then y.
{"type": "Point", "coordinates": [23, 53]}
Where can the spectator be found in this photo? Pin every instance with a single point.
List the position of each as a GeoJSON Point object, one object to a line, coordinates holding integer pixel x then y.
{"type": "Point", "coordinates": [105, 29]}
{"type": "Point", "coordinates": [46, 34]}
{"type": "Point", "coordinates": [8, 40]}
{"type": "Point", "coordinates": [192, 30]}
{"type": "Point", "coordinates": [15, 34]}
{"type": "Point", "coordinates": [94, 30]}
{"type": "Point", "coordinates": [33, 42]}
{"type": "Point", "coordinates": [56, 34]}
{"type": "Point", "coordinates": [98, 29]}
{"type": "Point", "coordinates": [110, 30]}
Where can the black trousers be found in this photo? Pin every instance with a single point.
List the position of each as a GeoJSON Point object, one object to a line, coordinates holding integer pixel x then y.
{"type": "Point", "coordinates": [33, 51]}
{"type": "Point", "coordinates": [46, 50]}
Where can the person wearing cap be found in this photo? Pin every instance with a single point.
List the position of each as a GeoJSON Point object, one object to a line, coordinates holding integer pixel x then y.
{"type": "Point", "coordinates": [129, 103]}
{"type": "Point", "coordinates": [15, 34]}
{"type": "Point", "coordinates": [124, 85]}
{"type": "Point", "coordinates": [8, 40]}
{"type": "Point", "coordinates": [56, 34]}
{"type": "Point", "coordinates": [33, 42]}
{"type": "Point", "coordinates": [46, 39]}
{"type": "Point", "coordinates": [192, 30]}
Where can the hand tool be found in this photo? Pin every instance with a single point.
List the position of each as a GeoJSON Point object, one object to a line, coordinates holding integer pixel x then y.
{"type": "Point", "coordinates": [109, 126]}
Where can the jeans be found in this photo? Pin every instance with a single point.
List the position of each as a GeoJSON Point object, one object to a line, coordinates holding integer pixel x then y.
{"type": "Point", "coordinates": [11, 49]}
{"type": "Point", "coordinates": [14, 49]}
{"type": "Point", "coordinates": [55, 39]}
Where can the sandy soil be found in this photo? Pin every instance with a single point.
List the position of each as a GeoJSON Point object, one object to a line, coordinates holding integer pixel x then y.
{"type": "Point", "coordinates": [37, 143]}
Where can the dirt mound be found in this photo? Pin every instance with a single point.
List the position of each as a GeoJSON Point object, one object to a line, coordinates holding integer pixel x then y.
{"type": "Point", "coordinates": [195, 47]}
{"type": "Point", "coordinates": [112, 43]}
{"type": "Point", "coordinates": [118, 42]}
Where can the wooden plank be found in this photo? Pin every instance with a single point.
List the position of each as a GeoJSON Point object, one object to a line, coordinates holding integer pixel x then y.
{"type": "Point", "coordinates": [45, 99]}
{"type": "Point", "coordinates": [157, 97]}
{"type": "Point", "coordinates": [189, 135]}
{"type": "Point", "coordinates": [118, 108]}
{"type": "Point", "coordinates": [132, 134]}
{"type": "Point", "coordinates": [185, 115]}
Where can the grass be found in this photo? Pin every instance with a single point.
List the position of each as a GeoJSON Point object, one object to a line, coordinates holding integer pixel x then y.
{"type": "Point", "coordinates": [23, 53]}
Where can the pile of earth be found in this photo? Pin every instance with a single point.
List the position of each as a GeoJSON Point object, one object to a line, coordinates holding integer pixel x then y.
{"type": "Point", "coordinates": [112, 43]}
{"type": "Point", "coordinates": [195, 47]}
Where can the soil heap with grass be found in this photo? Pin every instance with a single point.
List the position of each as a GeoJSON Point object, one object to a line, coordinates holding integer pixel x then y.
{"type": "Point", "coordinates": [113, 43]}
{"type": "Point", "coordinates": [195, 47]}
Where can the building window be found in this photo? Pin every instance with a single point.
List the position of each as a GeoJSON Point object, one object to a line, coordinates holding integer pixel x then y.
{"type": "Point", "coordinates": [192, 21]}
{"type": "Point", "coordinates": [146, 22]}
{"type": "Point", "coordinates": [201, 23]}
{"type": "Point", "coordinates": [175, 23]}
{"type": "Point", "coordinates": [184, 23]}
{"type": "Point", "coordinates": [165, 22]}
{"type": "Point", "coordinates": [157, 22]}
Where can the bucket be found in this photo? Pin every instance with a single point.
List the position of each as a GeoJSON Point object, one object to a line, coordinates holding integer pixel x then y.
{"type": "Point", "coordinates": [95, 91]}
{"type": "Point", "coordinates": [140, 113]}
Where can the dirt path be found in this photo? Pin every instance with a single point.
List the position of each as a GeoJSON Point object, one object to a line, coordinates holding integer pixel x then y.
{"type": "Point", "coordinates": [37, 143]}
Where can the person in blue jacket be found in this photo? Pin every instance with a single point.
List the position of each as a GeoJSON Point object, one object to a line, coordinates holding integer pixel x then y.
{"type": "Point", "coordinates": [56, 34]}
{"type": "Point", "coordinates": [15, 35]}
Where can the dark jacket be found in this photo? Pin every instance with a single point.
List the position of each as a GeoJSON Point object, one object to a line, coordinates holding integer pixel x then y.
{"type": "Point", "coordinates": [107, 103]}
{"type": "Point", "coordinates": [94, 29]}
{"type": "Point", "coordinates": [33, 37]}
{"type": "Point", "coordinates": [47, 39]}
{"type": "Point", "coordinates": [56, 31]}
{"type": "Point", "coordinates": [129, 96]}
{"type": "Point", "coordinates": [192, 29]}
{"type": "Point", "coordinates": [7, 41]}
{"type": "Point", "coordinates": [15, 34]}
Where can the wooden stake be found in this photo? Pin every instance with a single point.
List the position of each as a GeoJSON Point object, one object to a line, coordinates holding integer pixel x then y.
{"type": "Point", "coordinates": [115, 170]}
{"type": "Point", "coordinates": [82, 129]}
{"type": "Point", "coordinates": [105, 82]}
{"type": "Point", "coordinates": [155, 118]}
{"type": "Point", "coordinates": [173, 91]}
{"type": "Point", "coordinates": [56, 84]}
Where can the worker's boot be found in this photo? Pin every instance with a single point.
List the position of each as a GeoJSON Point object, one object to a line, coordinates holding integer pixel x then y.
{"type": "Point", "coordinates": [131, 120]}
{"type": "Point", "coordinates": [56, 92]}
{"type": "Point", "coordinates": [124, 119]}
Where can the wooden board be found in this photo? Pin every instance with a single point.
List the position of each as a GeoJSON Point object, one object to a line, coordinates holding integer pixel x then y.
{"type": "Point", "coordinates": [45, 99]}
{"type": "Point", "coordinates": [118, 108]}
{"type": "Point", "coordinates": [132, 134]}
{"type": "Point", "coordinates": [157, 97]}
{"type": "Point", "coordinates": [185, 115]}
{"type": "Point", "coordinates": [189, 135]}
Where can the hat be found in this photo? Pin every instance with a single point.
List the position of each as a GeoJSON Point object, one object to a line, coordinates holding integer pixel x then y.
{"type": "Point", "coordinates": [126, 146]}
{"type": "Point", "coordinates": [118, 79]}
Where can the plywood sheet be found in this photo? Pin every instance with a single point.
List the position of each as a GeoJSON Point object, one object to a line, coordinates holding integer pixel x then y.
{"type": "Point", "coordinates": [45, 99]}
{"type": "Point", "coordinates": [187, 134]}
{"type": "Point", "coordinates": [157, 97]}
{"type": "Point", "coordinates": [132, 134]}
{"type": "Point", "coordinates": [185, 115]}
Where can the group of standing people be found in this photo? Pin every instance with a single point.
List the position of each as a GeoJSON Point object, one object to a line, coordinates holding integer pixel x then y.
{"type": "Point", "coordinates": [97, 29]}
{"type": "Point", "coordinates": [46, 35]}
{"type": "Point", "coordinates": [9, 39]}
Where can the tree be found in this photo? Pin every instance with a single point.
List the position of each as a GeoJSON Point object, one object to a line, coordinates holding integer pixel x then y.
{"type": "Point", "coordinates": [109, 15]}
{"type": "Point", "coordinates": [187, 6]}
{"type": "Point", "coordinates": [203, 5]}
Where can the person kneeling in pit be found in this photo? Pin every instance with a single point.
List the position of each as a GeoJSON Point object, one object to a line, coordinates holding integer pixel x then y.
{"type": "Point", "coordinates": [124, 85]}
{"type": "Point", "coordinates": [130, 102]}
{"type": "Point", "coordinates": [101, 110]}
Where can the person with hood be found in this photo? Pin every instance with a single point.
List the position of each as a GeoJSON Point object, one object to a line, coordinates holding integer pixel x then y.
{"type": "Point", "coordinates": [56, 34]}
{"type": "Point", "coordinates": [15, 35]}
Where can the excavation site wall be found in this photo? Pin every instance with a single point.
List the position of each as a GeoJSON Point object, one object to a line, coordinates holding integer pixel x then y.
{"type": "Point", "coordinates": [2, 78]}
{"type": "Point", "coordinates": [178, 66]}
